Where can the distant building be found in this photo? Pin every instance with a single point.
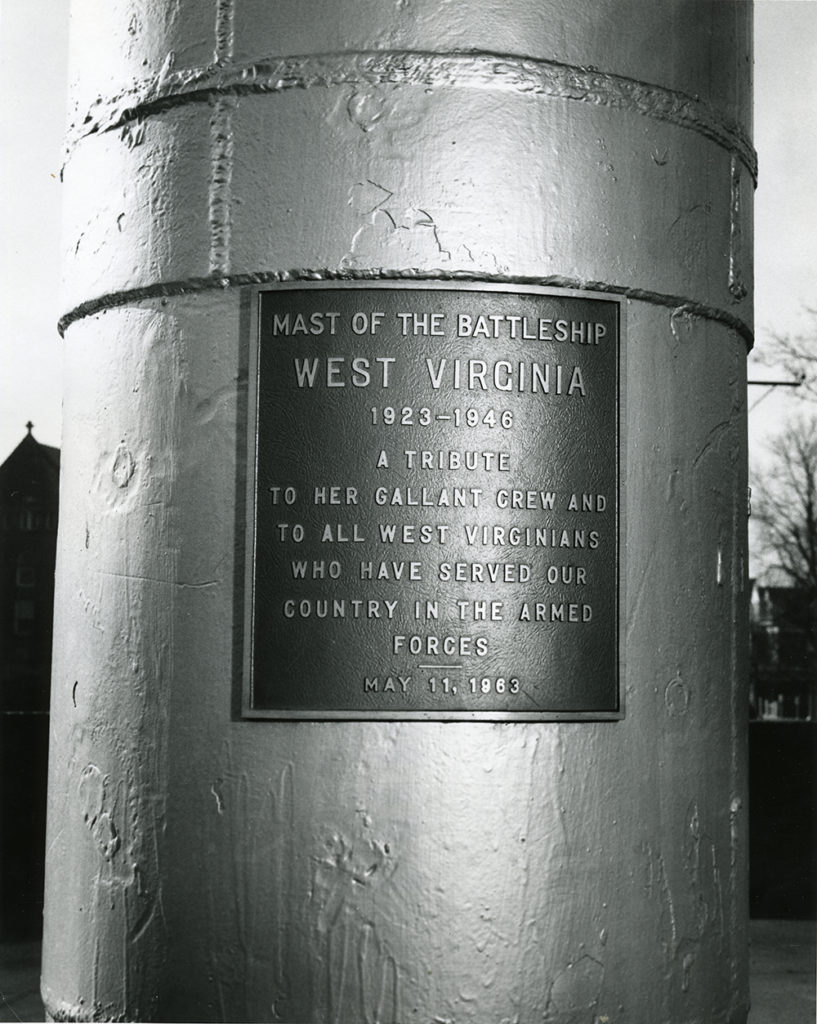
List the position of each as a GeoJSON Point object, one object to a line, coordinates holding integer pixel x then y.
{"type": "Point", "coordinates": [783, 753]}
{"type": "Point", "coordinates": [29, 504]}
{"type": "Point", "coordinates": [783, 680]}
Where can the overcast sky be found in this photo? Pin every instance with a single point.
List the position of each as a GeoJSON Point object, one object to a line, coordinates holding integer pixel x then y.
{"type": "Point", "coordinates": [32, 109]}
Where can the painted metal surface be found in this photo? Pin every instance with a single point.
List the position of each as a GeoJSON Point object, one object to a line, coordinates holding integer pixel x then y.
{"type": "Point", "coordinates": [201, 866]}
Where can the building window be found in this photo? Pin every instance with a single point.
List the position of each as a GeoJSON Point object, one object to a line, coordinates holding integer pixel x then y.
{"type": "Point", "coordinates": [25, 577]}
{"type": "Point", "coordinates": [23, 618]}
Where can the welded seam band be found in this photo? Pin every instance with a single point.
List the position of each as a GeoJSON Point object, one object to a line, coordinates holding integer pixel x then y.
{"type": "Point", "coordinates": [680, 305]}
{"type": "Point", "coordinates": [524, 75]}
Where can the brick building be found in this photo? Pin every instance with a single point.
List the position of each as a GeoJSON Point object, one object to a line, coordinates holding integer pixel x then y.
{"type": "Point", "coordinates": [783, 753]}
{"type": "Point", "coordinates": [29, 497]}
{"type": "Point", "coordinates": [783, 681]}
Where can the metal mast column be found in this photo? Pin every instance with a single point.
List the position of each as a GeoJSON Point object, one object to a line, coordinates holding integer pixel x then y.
{"type": "Point", "coordinates": [205, 863]}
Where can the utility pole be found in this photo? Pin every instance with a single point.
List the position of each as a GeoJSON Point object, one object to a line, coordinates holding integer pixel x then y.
{"type": "Point", "coordinates": [401, 655]}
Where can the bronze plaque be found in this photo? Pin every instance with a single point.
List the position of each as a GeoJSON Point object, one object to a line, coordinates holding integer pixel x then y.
{"type": "Point", "coordinates": [433, 509]}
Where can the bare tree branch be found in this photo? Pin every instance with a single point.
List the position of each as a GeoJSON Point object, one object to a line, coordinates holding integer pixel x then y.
{"type": "Point", "coordinates": [797, 355]}
{"type": "Point", "coordinates": [784, 504]}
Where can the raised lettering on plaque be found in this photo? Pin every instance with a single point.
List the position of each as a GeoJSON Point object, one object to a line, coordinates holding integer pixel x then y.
{"type": "Point", "coordinates": [432, 504]}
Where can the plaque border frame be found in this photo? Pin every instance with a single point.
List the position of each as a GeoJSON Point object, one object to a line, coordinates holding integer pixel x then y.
{"type": "Point", "coordinates": [247, 457]}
